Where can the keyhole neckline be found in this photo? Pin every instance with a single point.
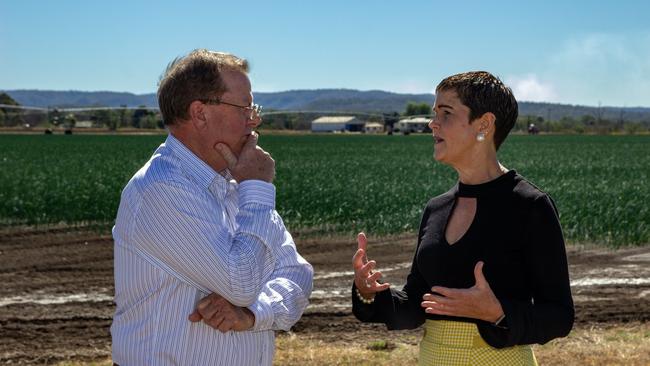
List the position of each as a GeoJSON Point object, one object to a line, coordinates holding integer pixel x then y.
{"type": "Point", "coordinates": [477, 190]}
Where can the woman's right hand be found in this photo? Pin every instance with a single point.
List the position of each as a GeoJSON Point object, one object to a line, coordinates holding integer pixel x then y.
{"type": "Point", "coordinates": [364, 277]}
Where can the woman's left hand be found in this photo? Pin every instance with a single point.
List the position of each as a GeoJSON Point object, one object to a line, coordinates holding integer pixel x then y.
{"type": "Point", "coordinates": [477, 302]}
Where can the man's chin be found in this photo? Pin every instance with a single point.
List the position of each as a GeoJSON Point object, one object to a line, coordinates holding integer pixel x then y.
{"type": "Point", "coordinates": [237, 150]}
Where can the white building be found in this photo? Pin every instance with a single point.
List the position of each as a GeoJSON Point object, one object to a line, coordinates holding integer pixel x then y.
{"type": "Point", "coordinates": [373, 127]}
{"type": "Point", "coordinates": [413, 124]}
{"type": "Point", "coordinates": [83, 124]}
{"type": "Point", "coordinates": [337, 123]}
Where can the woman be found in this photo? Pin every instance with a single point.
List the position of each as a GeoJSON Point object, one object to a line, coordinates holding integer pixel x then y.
{"type": "Point", "coordinates": [490, 273]}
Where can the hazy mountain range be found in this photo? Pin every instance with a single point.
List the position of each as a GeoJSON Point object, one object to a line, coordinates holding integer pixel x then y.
{"type": "Point", "coordinates": [372, 101]}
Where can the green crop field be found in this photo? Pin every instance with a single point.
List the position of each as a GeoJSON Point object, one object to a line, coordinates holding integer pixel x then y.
{"type": "Point", "coordinates": [341, 184]}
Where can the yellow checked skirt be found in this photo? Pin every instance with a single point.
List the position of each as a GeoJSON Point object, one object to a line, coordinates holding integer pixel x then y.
{"type": "Point", "coordinates": [451, 343]}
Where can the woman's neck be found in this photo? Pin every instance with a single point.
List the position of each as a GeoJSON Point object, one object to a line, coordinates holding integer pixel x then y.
{"type": "Point", "coordinates": [481, 171]}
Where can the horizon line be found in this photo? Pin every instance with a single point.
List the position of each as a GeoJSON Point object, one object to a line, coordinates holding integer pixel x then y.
{"type": "Point", "coordinates": [318, 89]}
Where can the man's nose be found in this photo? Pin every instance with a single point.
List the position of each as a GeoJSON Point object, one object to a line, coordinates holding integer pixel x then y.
{"type": "Point", "coordinates": [255, 121]}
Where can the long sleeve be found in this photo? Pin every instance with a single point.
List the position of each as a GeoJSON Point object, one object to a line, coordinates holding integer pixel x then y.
{"type": "Point", "coordinates": [180, 229]}
{"type": "Point", "coordinates": [551, 313]}
{"type": "Point", "coordinates": [285, 295]}
{"type": "Point", "coordinates": [398, 309]}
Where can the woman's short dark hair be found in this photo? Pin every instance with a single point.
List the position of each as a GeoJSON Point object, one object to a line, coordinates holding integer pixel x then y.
{"type": "Point", "coordinates": [483, 92]}
{"type": "Point", "coordinates": [194, 77]}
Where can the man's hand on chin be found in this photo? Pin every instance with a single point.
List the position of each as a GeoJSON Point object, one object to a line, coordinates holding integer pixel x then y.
{"type": "Point", "coordinates": [252, 163]}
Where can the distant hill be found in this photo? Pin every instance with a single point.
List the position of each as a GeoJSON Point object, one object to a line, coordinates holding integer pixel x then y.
{"type": "Point", "coordinates": [348, 100]}
{"type": "Point", "coordinates": [67, 99]}
{"type": "Point", "coordinates": [339, 100]}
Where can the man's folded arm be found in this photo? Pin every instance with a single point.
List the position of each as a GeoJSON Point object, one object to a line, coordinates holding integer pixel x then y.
{"type": "Point", "coordinates": [285, 296]}
{"type": "Point", "coordinates": [179, 229]}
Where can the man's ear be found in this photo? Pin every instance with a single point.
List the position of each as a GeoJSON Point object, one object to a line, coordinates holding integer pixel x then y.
{"type": "Point", "coordinates": [197, 116]}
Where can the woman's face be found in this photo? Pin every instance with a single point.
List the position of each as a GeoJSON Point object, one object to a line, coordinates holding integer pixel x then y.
{"type": "Point", "coordinates": [455, 137]}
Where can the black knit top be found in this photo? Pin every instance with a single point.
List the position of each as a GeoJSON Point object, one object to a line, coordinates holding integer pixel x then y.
{"type": "Point", "coordinates": [517, 234]}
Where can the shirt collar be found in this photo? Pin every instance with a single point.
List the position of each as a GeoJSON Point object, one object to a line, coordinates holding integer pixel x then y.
{"type": "Point", "coordinates": [223, 185]}
{"type": "Point", "coordinates": [201, 172]}
{"type": "Point", "coordinates": [220, 185]}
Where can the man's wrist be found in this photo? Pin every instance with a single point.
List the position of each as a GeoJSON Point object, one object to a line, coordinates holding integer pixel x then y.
{"type": "Point", "coordinates": [263, 316]}
{"type": "Point", "coordinates": [250, 316]}
{"type": "Point", "coordinates": [256, 191]}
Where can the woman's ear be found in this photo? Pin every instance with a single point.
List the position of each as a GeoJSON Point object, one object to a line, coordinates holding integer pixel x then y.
{"type": "Point", "coordinates": [487, 123]}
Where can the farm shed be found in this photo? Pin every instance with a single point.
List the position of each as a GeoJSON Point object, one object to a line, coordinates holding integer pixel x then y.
{"type": "Point", "coordinates": [337, 123]}
{"type": "Point", "coordinates": [413, 124]}
{"type": "Point", "coordinates": [373, 127]}
{"type": "Point", "coordinates": [84, 124]}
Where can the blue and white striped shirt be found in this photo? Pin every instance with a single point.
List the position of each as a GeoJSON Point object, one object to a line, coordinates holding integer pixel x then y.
{"type": "Point", "coordinates": [184, 231]}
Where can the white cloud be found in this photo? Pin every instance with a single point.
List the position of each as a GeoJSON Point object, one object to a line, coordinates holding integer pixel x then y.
{"type": "Point", "coordinates": [530, 88]}
{"type": "Point", "coordinates": [609, 68]}
{"type": "Point", "coordinates": [412, 87]}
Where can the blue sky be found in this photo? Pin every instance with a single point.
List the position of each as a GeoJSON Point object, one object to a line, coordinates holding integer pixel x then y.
{"type": "Point", "coordinates": [576, 52]}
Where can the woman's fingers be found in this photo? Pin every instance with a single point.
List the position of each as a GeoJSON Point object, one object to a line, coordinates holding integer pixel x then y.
{"type": "Point", "coordinates": [366, 269]}
{"type": "Point", "coordinates": [358, 259]}
{"type": "Point", "coordinates": [438, 299]}
{"type": "Point", "coordinates": [382, 286]}
{"type": "Point", "coordinates": [374, 277]}
{"type": "Point", "coordinates": [435, 308]}
{"type": "Point", "coordinates": [362, 241]}
{"type": "Point", "coordinates": [439, 305]}
{"type": "Point", "coordinates": [368, 280]}
{"type": "Point", "coordinates": [448, 292]}
{"type": "Point", "coordinates": [364, 276]}
{"type": "Point", "coordinates": [370, 284]}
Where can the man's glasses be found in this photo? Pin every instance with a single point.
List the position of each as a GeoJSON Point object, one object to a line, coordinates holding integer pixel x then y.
{"type": "Point", "coordinates": [254, 110]}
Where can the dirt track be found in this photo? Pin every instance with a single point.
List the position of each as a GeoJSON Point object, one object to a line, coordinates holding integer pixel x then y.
{"type": "Point", "coordinates": [57, 286]}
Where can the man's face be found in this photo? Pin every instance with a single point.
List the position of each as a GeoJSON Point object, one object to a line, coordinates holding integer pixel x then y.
{"type": "Point", "coordinates": [229, 124]}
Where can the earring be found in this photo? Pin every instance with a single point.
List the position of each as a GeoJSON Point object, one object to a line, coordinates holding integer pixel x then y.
{"type": "Point", "coordinates": [480, 137]}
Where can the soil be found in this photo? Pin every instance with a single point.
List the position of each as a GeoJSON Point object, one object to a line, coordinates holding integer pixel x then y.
{"type": "Point", "coordinates": [57, 288]}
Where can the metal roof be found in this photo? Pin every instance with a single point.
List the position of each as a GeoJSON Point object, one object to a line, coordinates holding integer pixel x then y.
{"type": "Point", "coordinates": [335, 119]}
{"type": "Point", "coordinates": [416, 120]}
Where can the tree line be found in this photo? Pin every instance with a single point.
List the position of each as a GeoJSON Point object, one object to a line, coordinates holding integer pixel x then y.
{"type": "Point", "coordinates": [110, 118]}
{"type": "Point", "coordinates": [146, 118]}
{"type": "Point", "coordinates": [591, 124]}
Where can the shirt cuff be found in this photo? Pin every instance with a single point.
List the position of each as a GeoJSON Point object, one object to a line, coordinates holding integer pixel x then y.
{"type": "Point", "coordinates": [256, 191]}
{"type": "Point", "coordinates": [263, 312]}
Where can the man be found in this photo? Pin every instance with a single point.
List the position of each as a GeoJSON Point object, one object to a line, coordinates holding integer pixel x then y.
{"type": "Point", "coordinates": [204, 267]}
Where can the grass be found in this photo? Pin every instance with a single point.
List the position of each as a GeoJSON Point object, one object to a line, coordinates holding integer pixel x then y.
{"type": "Point", "coordinates": [626, 344]}
{"type": "Point", "coordinates": [341, 184]}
